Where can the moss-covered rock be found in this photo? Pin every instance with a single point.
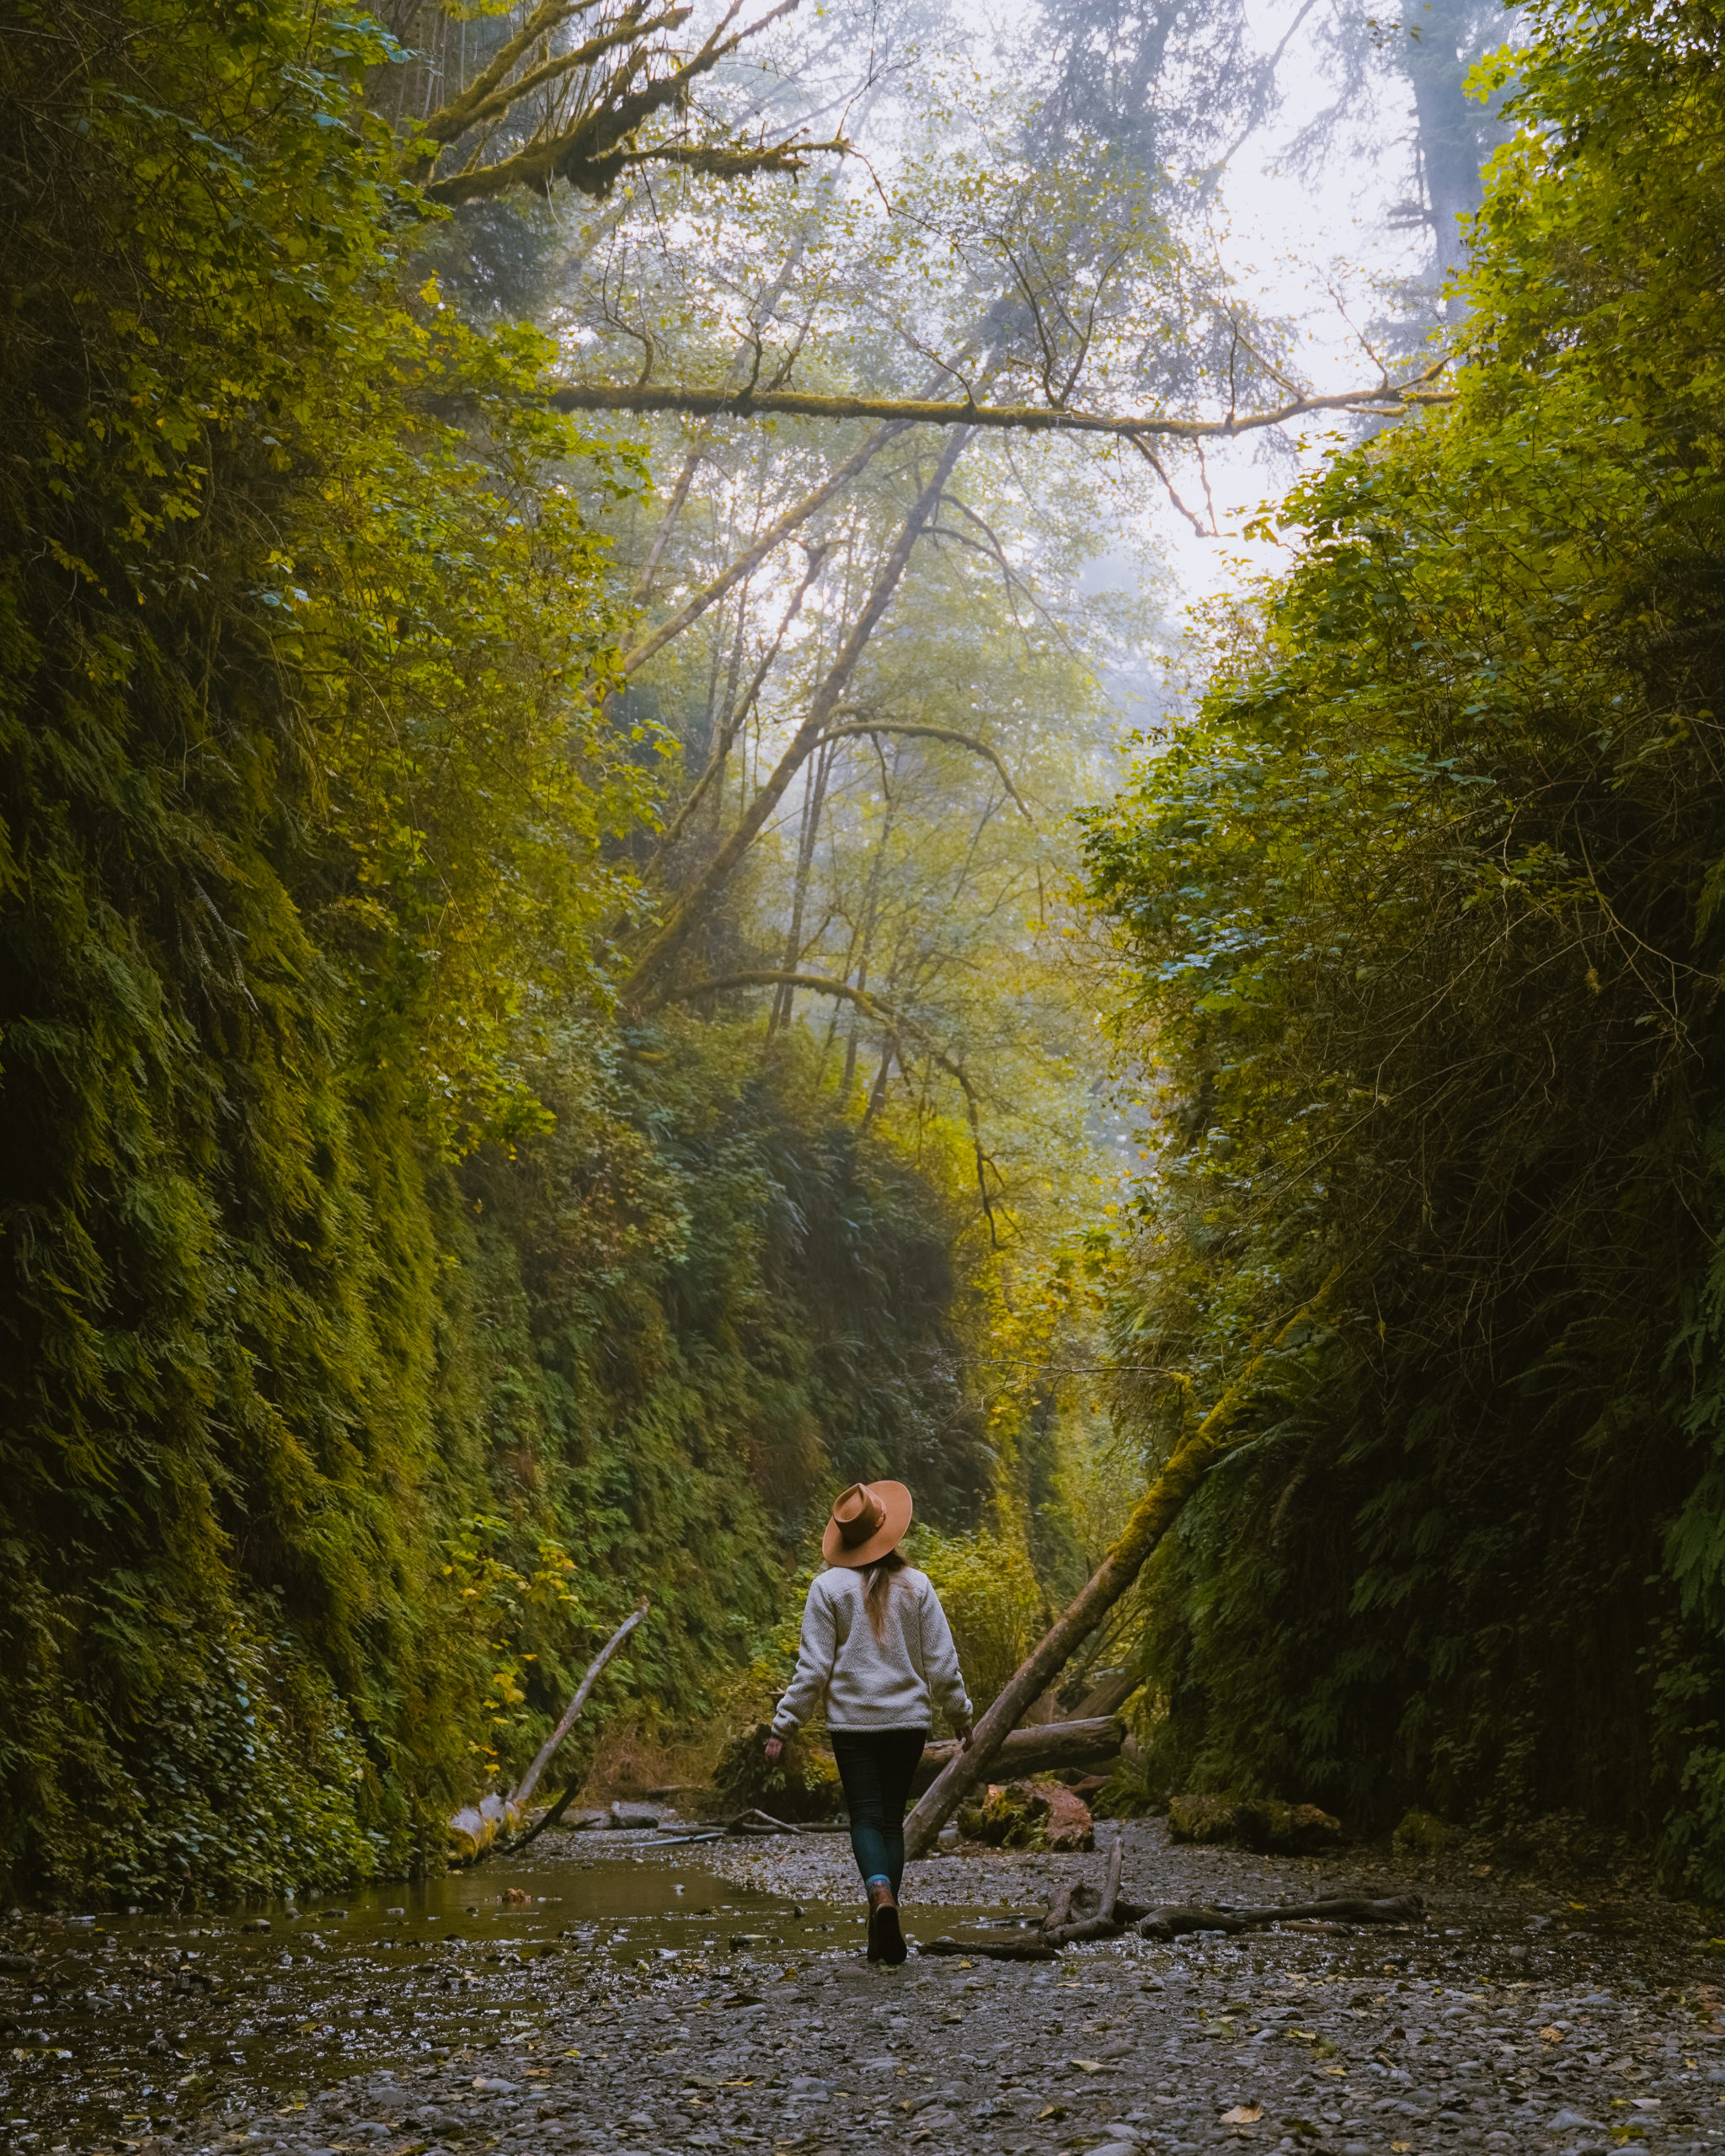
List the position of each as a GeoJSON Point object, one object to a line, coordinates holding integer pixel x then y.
{"type": "Point", "coordinates": [1029, 1816]}
{"type": "Point", "coordinates": [1422, 1834]}
{"type": "Point", "coordinates": [1264, 1823]}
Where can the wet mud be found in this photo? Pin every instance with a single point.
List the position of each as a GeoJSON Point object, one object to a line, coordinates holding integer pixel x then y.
{"type": "Point", "coordinates": [598, 1994]}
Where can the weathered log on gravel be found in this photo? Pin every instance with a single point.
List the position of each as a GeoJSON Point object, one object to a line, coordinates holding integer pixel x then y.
{"type": "Point", "coordinates": [1049, 1744]}
{"type": "Point", "coordinates": [1115, 1916]}
{"type": "Point", "coordinates": [757, 1821]}
{"type": "Point", "coordinates": [992, 1950]}
{"type": "Point", "coordinates": [1171, 1922]}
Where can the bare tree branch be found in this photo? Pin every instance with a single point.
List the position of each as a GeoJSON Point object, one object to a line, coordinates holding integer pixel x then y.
{"type": "Point", "coordinates": [687, 910]}
{"type": "Point", "coordinates": [728, 733]}
{"type": "Point", "coordinates": [935, 733]}
{"type": "Point", "coordinates": [799, 513]}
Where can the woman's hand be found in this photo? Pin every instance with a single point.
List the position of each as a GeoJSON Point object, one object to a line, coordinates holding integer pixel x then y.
{"type": "Point", "coordinates": [775, 1748]}
{"type": "Point", "coordinates": [965, 1734]}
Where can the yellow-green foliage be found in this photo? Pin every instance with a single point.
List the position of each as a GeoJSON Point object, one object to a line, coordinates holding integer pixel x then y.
{"type": "Point", "coordinates": [993, 1601]}
{"type": "Point", "coordinates": [803, 1783]}
{"type": "Point", "coordinates": [1423, 911]}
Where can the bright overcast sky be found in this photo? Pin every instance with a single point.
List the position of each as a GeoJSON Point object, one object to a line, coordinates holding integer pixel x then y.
{"type": "Point", "coordinates": [1297, 243]}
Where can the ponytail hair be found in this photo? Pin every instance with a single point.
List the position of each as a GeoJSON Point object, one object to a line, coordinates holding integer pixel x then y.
{"type": "Point", "coordinates": [878, 1586]}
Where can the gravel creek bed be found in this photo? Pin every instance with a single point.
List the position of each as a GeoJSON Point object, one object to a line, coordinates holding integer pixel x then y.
{"type": "Point", "coordinates": [596, 1994]}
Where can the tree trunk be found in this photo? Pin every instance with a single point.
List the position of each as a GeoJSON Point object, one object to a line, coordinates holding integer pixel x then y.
{"type": "Point", "coordinates": [689, 910]}
{"type": "Point", "coordinates": [814, 801]}
{"type": "Point", "coordinates": [1156, 1511]}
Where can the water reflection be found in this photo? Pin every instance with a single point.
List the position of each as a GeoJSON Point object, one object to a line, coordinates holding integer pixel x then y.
{"type": "Point", "coordinates": [118, 2029]}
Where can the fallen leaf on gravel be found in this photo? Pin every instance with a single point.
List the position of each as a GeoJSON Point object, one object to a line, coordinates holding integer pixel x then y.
{"type": "Point", "coordinates": [1058, 2111]}
{"type": "Point", "coordinates": [1242, 2115]}
{"type": "Point", "coordinates": [1088, 2065]}
{"type": "Point", "coordinates": [1550, 2036]}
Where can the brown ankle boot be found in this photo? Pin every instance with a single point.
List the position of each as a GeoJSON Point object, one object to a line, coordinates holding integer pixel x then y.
{"type": "Point", "coordinates": [886, 1939]}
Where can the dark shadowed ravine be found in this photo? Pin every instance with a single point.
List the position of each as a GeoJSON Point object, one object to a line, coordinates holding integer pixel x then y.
{"type": "Point", "coordinates": [600, 1996]}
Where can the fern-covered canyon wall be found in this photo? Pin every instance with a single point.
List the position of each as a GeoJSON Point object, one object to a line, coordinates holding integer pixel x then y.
{"type": "Point", "coordinates": [577, 967]}
{"type": "Point", "coordinates": [1422, 916]}
{"type": "Point", "coordinates": [380, 1319]}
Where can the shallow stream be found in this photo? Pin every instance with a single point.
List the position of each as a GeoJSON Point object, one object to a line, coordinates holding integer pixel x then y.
{"type": "Point", "coordinates": [118, 2027]}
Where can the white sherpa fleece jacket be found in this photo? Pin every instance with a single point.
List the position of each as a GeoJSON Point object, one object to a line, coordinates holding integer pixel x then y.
{"type": "Point", "coordinates": [890, 1682]}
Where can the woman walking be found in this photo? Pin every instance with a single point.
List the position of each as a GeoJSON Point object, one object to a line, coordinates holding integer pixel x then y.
{"type": "Point", "coordinates": [876, 1646]}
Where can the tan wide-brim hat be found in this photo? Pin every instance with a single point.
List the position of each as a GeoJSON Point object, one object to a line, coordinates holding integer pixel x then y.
{"type": "Point", "coordinates": [868, 1519]}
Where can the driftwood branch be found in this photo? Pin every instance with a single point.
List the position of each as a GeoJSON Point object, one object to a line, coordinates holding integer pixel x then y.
{"type": "Point", "coordinates": [1155, 1513]}
{"type": "Point", "coordinates": [992, 1950]}
{"type": "Point", "coordinates": [1388, 396]}
{"type": "Point", "coordinates": [1059, 1927]}
{"type": "Point", "coordinates": [530, 1780]}
{"type": "Point", "coordinates": [1173, 1921]}
{"type": "Point", "coordinates": [1060, 1910]}
{"type": "Point", "coordinates": [1115, 1917]}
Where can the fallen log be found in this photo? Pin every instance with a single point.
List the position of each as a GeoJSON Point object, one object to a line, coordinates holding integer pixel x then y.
{"type": "Point", "coordinates": [1174, 1920]}
{"type": "Point", "coordinates": [481, 1826]}
{"type": "Point", "coordinates": [1155, 1514]}
{"type": "Point", "coordinates": [757, 1822]}
{"type": "Point", "coordinates": [530, 1780]}
{"type": "Point", "coordinates": [992, 1950]}
{"type": "Point", "coordinates": [1112, 1689]}
{"type": "Point", "coordinates": [1085, 1742]}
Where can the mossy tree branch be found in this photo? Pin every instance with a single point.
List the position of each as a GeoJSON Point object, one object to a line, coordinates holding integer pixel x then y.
{"type": "Point", "coordinates": [1385, 398]}
{"type": "Point", "coordinates": [602, 91]}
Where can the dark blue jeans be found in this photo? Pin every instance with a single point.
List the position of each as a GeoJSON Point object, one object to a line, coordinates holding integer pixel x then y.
{"type": "Point", "coordinates": [876, 1767]}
